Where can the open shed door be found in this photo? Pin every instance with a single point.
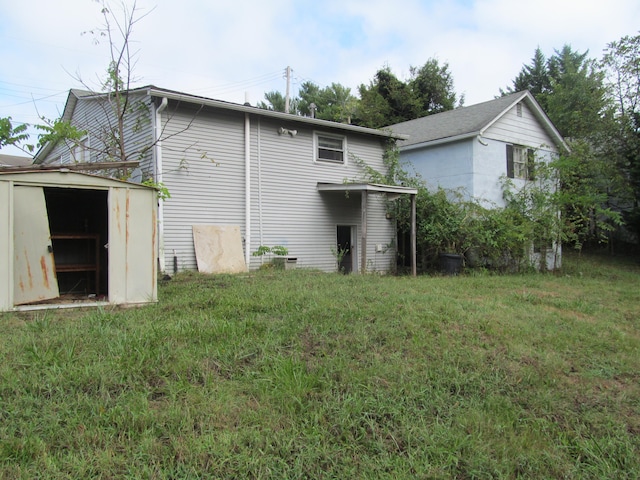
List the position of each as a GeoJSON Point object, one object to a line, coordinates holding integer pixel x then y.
{"type": "Point", "coordinates": [34, 270]}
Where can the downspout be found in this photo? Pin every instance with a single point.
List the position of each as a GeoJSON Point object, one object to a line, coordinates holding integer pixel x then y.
{"type": "Point", "coordinates": [363, 239]}
{"type": "Point", "coordinates": [157, 142]}
{"type": "Point", "coordinates": [247, 188]}
{"type": "Point", "coordinates": [260, 186]}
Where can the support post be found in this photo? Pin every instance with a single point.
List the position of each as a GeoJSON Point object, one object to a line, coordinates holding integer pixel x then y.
{"type": "Point", "coordinates": [414, 268]}
{"type": "Point", "coordinates": [363, 241]}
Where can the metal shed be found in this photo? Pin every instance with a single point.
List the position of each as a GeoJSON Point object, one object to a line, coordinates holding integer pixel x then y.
{"type": "Point", "coordinates": [69, 239]}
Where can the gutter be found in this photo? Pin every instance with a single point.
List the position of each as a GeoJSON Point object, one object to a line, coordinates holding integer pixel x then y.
{"type": "Point", "coordinates": [209, 102]}
{"type": "Point", "coordinates": [440, 141]}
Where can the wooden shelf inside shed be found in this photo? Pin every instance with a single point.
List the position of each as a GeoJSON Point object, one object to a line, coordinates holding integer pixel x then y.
{"type": "Point", "coordinates": [77, 252]}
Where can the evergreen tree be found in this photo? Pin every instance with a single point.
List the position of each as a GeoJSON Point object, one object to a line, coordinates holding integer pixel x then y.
{"type": "Point", "coordinates": [388, 100]}
{"type": "Point", "coordinates": [535, 78]}
{"type": "Point", "coordinates": [569, 87]}
{"type": "Point", "coordinates": [622, 63]}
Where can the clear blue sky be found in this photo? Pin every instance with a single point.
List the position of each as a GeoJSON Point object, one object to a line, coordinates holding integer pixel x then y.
{"type": "Point", "coordinates": [222, 48]}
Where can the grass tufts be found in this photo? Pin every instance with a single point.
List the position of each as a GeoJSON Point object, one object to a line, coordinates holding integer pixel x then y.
{"type": "Point", "coordinates": [299, 374]}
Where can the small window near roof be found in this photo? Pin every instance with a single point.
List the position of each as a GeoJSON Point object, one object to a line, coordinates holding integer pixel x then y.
{"type": "Point", "coordinates": [519, 109]}
{"type": "Point", "coordinates": [330, 148]}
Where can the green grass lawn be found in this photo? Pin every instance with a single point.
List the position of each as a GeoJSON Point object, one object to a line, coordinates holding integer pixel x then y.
{"type": "Point", "coordinates": [299, 374]}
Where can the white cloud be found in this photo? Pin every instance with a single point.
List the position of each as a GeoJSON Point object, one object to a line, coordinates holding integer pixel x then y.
{"type": "Point", "coordinates": [222, 48]}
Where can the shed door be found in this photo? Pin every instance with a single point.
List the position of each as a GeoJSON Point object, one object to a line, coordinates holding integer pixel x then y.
{"type": "Point", "coordinates": [33, 269]}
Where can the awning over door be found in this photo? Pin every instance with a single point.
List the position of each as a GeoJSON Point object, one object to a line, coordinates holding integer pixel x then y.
{"type": "Point", "coordinates": [392, 192]}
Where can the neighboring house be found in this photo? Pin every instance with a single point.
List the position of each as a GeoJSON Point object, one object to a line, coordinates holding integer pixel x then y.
{"type": "Point", "coordinates": [274, 178]}
{"type": "Point", "coordinates": [472, 149]}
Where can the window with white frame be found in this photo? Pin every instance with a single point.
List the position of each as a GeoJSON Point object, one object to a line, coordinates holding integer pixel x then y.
{"type": "Point", "coordinates": [520, 162]}
{"type": "Point", "coordinates": [330, 148]}
{"type": "Point", "coordinates": [80, 151]}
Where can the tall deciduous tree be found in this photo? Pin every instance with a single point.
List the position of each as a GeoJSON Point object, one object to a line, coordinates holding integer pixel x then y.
{"type": "Point", "coordinates": [120, 108]}
{"type": "Point", "coordinates": [433, 87]}
{"type": "Point", "coordinates": [109, 136]}
{"type": "Point", "coordinates": [10, 134]}
{"type": "Point", "coordinates": [334, 103]}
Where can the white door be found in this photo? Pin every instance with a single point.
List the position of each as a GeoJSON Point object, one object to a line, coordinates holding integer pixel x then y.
{"type": "Point", "coordinates": [33, 268]}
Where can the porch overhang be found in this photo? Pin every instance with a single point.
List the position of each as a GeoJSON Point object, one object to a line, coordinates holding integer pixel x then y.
{"type": "Point", "coordinates": [393, 192]}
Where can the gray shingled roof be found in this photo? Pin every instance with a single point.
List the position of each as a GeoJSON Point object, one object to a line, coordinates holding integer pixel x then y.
{"type": "Point", "coordinates": [461, 122]}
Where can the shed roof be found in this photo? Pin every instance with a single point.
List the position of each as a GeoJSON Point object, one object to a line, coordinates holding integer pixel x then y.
{"type": "Point", "coordinates": [465, 122]}
{"type": "Point", "coordinates": [14, 161]}
{"type": "Point", "coordinates": [65, 178]}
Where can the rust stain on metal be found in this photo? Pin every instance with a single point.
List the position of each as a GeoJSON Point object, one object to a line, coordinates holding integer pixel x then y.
{"type": "Point", "coordinates": [45, 273]}
{"type": "Point", "coordinates": [128, 213]}
{"type": "Point", "coordinates": [116, 208]}
{"type": "Point", "coordinates": [29, 276]}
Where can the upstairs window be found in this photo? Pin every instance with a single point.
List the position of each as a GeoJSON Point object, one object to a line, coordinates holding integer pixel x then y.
{"type": "Point", "coordinates": [80, 151]}
{"type": "Point", "coordinates": [330, 148]}
{"type": "Point", "coordinates": [520, 162]}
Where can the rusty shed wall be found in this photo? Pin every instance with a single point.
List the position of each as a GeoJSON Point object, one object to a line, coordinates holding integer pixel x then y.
{"type": "Point", "coordinates": [132, 269]}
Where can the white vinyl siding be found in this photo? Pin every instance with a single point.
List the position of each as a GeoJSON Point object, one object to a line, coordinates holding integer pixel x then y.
{"type": "Point", "coordinates": [203, 168]}
{"type": "Point", "coordinates": [95, 117]}
{"type": "Point", "coordinates": [520, 130]}
{"type": "Point", "coordinates": [288, 210]}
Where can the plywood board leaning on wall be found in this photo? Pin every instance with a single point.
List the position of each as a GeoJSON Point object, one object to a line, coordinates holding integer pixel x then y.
{"type": "Point", "coordinates": [219, 249]}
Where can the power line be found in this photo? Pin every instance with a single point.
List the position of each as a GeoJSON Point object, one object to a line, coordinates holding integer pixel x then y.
{"type": "Point", "coordinates": [31, 100]}
{"type": "Point", "coordinates": [242, 85]}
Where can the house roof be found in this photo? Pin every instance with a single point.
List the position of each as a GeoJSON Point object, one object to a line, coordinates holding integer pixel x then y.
{"type": "Point", "coordinates": [153, 91]}
{"type": "Point", "coordinates": [467, 122]}
{"type": "Point", "coordinates": [246, 108]}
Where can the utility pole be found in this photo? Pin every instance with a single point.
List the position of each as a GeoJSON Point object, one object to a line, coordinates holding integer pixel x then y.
{"type": "Point", "coordinates": [286, 97]}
